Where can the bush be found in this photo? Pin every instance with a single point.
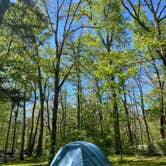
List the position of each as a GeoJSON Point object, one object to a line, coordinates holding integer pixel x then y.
{"type": "Point", "coordinates": [158, 147]}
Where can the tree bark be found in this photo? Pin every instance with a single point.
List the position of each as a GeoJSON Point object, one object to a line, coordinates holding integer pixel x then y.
{"type": "Point", "coordinates": [54, 118]}
{"type": "Point", "coordinates": [21, 157]}
{"type": "Point", "coordinates": [143, 112]}
{"type": "Point", "coordinates": [63, 120]}
{"type": "Point", "coordinates": [35, 132]}
{"type": "Point", "coordinates": [161, 101]}
{"type": "Point", "coordinates": [128, 117]}
{"type": "Point", "coordinates": [29, 149]}
{"type": "Point", "coordinates": [15, 127]}
{"type": "Point", "coordinates": [8, 131]}
{"type": "Point", "coordinates": [117, 139]}
{"type": "Point", "coordinates": [138, 117]}
{"type": "Point", "coordinates": [40, 139]}
{"type": "Point", "coordinates": [99, 108]}
{"type": "Point", "coordinates": [48, 117]}
{"type": "Point", "coordinates": [162, 116]}
{"type": "Point", "coordinates": [78, 95]}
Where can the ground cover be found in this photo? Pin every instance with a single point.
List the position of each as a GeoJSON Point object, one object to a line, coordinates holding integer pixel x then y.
{"type": "Point", "coordinates": [115, 160]}
{"type": "Point", "coordinates": [138, 161]}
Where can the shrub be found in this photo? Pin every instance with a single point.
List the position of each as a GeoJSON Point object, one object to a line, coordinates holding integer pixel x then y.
{"type": "Point", "coordinates": [157, 147]}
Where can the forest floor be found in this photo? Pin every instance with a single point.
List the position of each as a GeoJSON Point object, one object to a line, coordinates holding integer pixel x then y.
{"type": "Point", "coordinates": [138, 161]}
{"type": "Point", "coordinates": [115, 160]}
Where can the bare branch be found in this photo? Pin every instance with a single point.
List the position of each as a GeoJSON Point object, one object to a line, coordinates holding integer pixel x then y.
{"type": "Point", "coordinates": [132, 6]}
{"type": "Point", "coordinates": [65, 77]}
{"type": "Point", "coordinates": [161, 12]}
{"type": "Point", "coordinates": [102, 39]}
{"type": "Point", "coordinates": [139, 7]}
{"type": "Point", "coordinates": [74, 14]}
{"type": "Point", "coordinates": [158, 6]}
{"type": "Point", "coordinates": [49, 17]}
{"type": "Point", "coordinates": [135, 17]}
{"type": "Point", "coordinates": [83, 26]}
{"type": "Point", "coordinates": [67, 18]}
{"type": "Point", "coordinates": [60, 6]}
{"type": "Point", "coordinates": [65, 33]}
{"type": "Point", "coordinates": [161, 19]}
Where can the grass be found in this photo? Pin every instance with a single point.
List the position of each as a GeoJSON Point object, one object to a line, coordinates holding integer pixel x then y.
{"type": "Point", "coordinates": [26, 162]}
{"type": "Point", "coordinates": [115, 160]}
{"type": "Point", "coordinates": [138, 161]}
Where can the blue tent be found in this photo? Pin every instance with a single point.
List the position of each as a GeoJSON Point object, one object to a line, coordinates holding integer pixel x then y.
{"type": "Point", "coordinates": [80, 153]}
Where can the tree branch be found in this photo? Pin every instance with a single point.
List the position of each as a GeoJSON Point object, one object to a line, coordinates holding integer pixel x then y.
{"type": "Point", "coordinates": [65, 77]}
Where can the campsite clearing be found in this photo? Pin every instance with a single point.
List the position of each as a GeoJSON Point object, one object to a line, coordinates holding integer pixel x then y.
{"type": "Point", "coordinates": [128, 161]}
{"type": "Point", "coordinates": [138, 161]}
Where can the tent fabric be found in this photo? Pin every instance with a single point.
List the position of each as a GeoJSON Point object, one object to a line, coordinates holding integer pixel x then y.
{"type": "Point", "coordinates": [80, 153]}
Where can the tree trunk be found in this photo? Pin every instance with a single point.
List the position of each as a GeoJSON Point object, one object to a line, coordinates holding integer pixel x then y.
{"type": "Point", "coordinates": [29, 149]}
{"type": "Point", "coordinates": [162, 115]}
{"type": "Point", "coordinates": [99, 109]}
{"type": "Point", "coordinates": [161, 98]}
{"type": "Point", "coordinates": [15, 127]}
{"type": "Point", "coordinates": [40, 139]}
{"type": "Point", "coordinates": [117, 139]}
{"type": "Point", "coordinates": [35, 133]}
{"type": "Point", "coordinates": [55, 111]}
{"type": "Point", "coordinates": [78, 96]}
{"type": "Point", "coordinates": [54, 125]}
{"type": "Point", "coordinates": [128, 117]}
{"type": "Point", "coordinates": [143, 112]}
{"type": "Point", "coordinates": [23, 130]}
{"type": "Point", "coordinates": [63, 120]}
{"type": "Point", "coordinates": [8, 131]}
{"type": "Point", "coordinates": [48, 117]}
{"type": "Point", "coordinates": [138, 118]}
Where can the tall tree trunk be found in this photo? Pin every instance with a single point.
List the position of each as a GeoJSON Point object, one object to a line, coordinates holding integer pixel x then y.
{"type": "Point", "coordinates": [162, 115]}
{"type": "Point", "coordinates": [117, 139]}
{"type": "Point", "coordinates": [161, 101]}
{"type": "Point", "coordinates": [138, 118]}
{"type": "Point", "coordinates": [128, 117]}
{"type": "Point", "coordinates": [8, 131]}
{"type": "Point", "coordinates": [143, 112]}
{"type": "Point", "coordinates": [40, 139]}
{"type": "Point", "coordinates": [63, 120]}
{"type": "Point", "coordinates": [99, 108]}
{"type": "Point", "coordinates": [48, 116]}
{"type": "Point", "coordinates": [29, 148]}
{"type": "Point", "coordinates": [35, 132]}
{"type": "Point", "coordinates": [15, 127]}
{"type": "Point", "coordinates": [78, 95]}
{"type": "Point", "coordinates": [23, 130]}
{"type": "Point", "coordinates": [55, 111]}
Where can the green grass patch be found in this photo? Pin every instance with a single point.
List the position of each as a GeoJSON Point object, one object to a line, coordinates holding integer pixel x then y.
{"type": "Point", "coordinates": [26, 162]}
{"type": "Point", "coordinates": [138, 161]}
{"type": "Point", "coordinates": [115, 160]}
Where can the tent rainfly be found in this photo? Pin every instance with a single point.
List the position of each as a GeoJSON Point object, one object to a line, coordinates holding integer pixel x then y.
{"type": "Point", "coordinates": [80, 153]}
